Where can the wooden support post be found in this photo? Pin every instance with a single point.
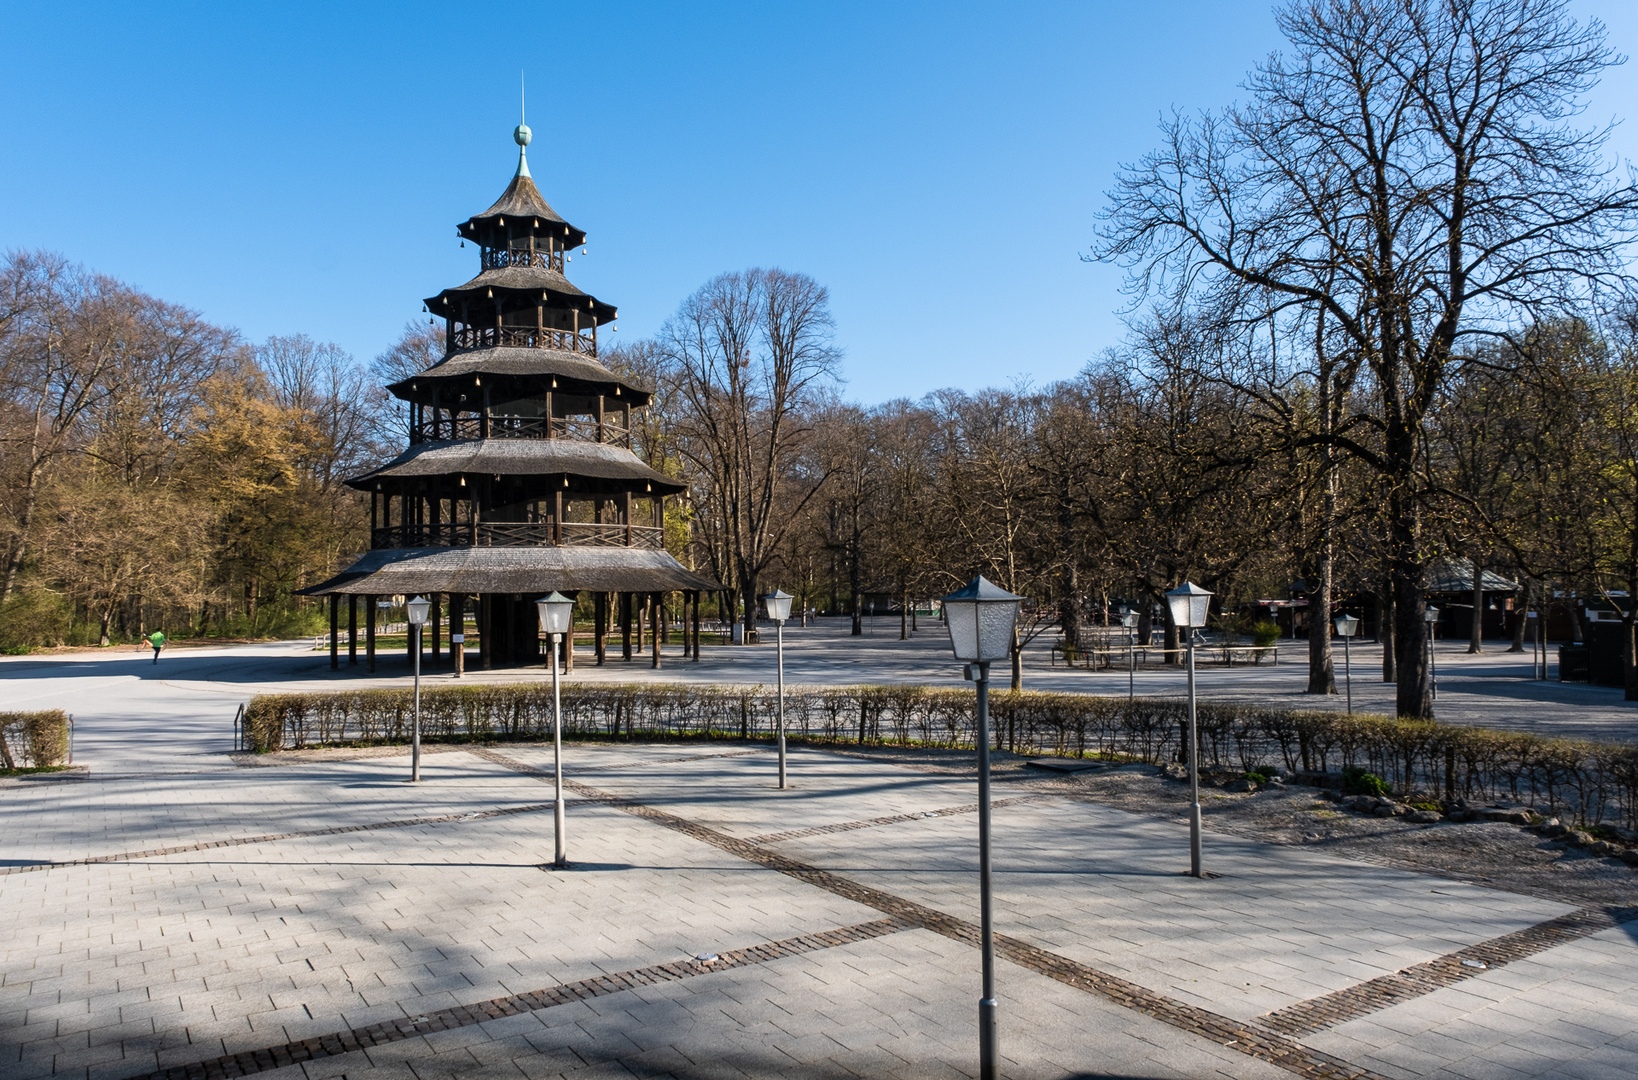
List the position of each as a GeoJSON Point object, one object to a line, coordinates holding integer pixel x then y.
{"type": "Point", "coordinates": [568, 645]}
{"type": "Point", "coordinates": [641, 620]}
{"type": "Point", "coordinates": [369, 636]}
{"type": "Point", "coordinates": [696, 626]}
{"type": "Point", "coordinates": [335, 632]}
{"type": "Point", "coordinates": [352, 628]}
{"type": "Point", "coordinates": [659, 626]}
{"type": "Point", "coordinates": [437, 624]}
{"type": "Point", "coordinates": [600, 626]}
{"type": "Point", "coordinates": [625, 626]}
{"type": "Point", "coordinates": [486, 640]}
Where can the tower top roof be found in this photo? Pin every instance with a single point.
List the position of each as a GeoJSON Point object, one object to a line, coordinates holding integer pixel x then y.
{"type": "Point", "coordinates": [523, 204]}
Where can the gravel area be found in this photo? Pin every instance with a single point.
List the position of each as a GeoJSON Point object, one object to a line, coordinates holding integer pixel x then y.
{"type": "Point", "coordinates": [1494, 854]}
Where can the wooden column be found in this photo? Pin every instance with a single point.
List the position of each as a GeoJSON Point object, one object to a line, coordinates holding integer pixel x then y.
{"type": "Point", "coordinates": [352, 628]}
{"type": "Point", "coordinates": [641, 620]}
{"type": "Point", "coordinates": [437, 622]}
{"type": "Point", "coordinates": [626, 511]}
{"type": "Point", "coordinates": [369, 635]}
{"type": "Point", "coordinates": [601, 419]}
{"type": "Point", "coordinates": [658, 626]}
{"type": "Point", "coordinates": [568, 644]}
{"type": "Point", "coordinates": [600, 627]}
{"type": "Point", "coordinates": [557, 517]}
{"type": "Point", "coordinates": [696, 625]}
{"type": "Point", "coordinates": [625, 626]}
{"type": "Point", "coordinates": [485, 639]}
{"type": "Point", "coordinates": [335, 632]}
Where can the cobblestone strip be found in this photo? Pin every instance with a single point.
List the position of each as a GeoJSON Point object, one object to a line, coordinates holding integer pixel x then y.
{"type": "Point", "coordinates": [894, 819]}
{"type": "Point", "coordinates": [337, 830]}
{"type": "Point", "coordinates": [248, 1062]}
{"type": "Point", "coordinates": [1329, 1010]}
{"type": "Point", "coordinates": [1263, 1044]}
{"type": "Point", "coordinates": [676, 759]}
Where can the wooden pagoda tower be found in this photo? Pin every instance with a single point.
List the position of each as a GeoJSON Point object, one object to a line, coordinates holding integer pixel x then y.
{"type": "Point", "coordinates": [519, 477]}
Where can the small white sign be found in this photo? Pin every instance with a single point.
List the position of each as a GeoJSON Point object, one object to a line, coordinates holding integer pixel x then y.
{"type": "Point", "coordinates": [456, 639]}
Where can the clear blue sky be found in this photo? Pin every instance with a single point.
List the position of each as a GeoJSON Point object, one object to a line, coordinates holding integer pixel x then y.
{"type": "Point", "coordinates": [939, 166]}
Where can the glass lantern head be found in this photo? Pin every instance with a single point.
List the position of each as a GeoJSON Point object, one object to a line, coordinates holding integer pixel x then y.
{"type": "Point", "coordinates": [556, 613]}
{"type": "Point", "coordinates": [418, 610]}
{"type": "Point", "coordinates": [1432, 615]}
{"type": "Point", "coordinates": [778, 604]}
{"type": "Point", "coordinates": [1190, 605]}
{"type": "Point", "coordinates": [1347, 625]}
{"type": "Point", "coordinates": [1129, 619]}
{"type": "Point", "coordinates": [982, 618]}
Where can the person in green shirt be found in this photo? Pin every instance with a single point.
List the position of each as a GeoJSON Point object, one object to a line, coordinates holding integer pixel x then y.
{"type": "Point", "coordinates": [157, 640]}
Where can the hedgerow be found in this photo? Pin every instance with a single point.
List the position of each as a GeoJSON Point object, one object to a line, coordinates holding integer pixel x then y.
{"type": "Point", "coordinates": [1589, 781]}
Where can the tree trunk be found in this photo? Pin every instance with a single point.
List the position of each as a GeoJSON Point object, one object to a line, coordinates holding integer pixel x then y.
{"type": "Point", "coordinates": [1521, 620]}
{"type": "Point", "coordinates": [1384, 631]}
{"type": "Point", "coordinates": [904, 617]}
{"type": "Point", "coordinates": [1017, 660]}
{"type": "Point", "coordinates": [19, 548]}
{"type": "Point", "coordinates": [1414, 689]}
{"type": "Point", "coordinates": [1475, 636]}
{"type": "Point", "coordinates": [1069, 606]}
{"type": "Point", "coordinates": [1629, 655]}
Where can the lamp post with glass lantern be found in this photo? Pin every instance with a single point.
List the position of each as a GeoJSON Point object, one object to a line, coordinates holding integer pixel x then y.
{"type": "Point", "coordinates": [417, 613]}
{"type": "Point", "coordinates": [778, 604]}
{"type": "Point", "coordinates": [1432, 619]}
{"type": "Point", "coordinates": [1347, 627]}
{"type": "Point", "coordinates": [1129, 619]}
{"type": "Point", "coordinates": [982, 619]}
{"type": "Point", "coordinates": [1190, 605]}
{"type": "Point", "coordinates": [556, 618]}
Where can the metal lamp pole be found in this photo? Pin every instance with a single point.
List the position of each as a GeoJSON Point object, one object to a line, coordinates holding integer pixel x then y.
{"type": "Point", "coordinates": [977, 638]}
{"type": "Point", "coordinates": [556, 618]}
{"type": "Point", "coordinates": [416, 612]}
{"type": "Point", "coordinates": [1432, 618]}
{"type": "Point", "coordinates": [1190, 604]}
{"type": "Point", "coordinates": [1129, 619]}
{"type": "Point", "coordinates": [778, 604]}
{"type": "Point", "coordinates": [1347, 626]}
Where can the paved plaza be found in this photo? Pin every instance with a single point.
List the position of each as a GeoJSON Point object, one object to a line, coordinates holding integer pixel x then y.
{"type": "Point", "coordinates": [180, 911]}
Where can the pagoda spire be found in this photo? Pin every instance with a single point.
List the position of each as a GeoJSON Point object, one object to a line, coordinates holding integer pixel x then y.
{"type": "Point", "coordinates": [521, 134]}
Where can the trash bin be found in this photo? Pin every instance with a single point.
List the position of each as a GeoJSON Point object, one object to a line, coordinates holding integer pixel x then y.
{"type": "Point", "coordinates": [739, 633]}
{"type": "Point", "coordinates": [1572, 663]}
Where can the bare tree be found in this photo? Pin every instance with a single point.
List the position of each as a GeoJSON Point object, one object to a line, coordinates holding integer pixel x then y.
{"type": "Point", "coordinates": [1413, 169]}
{"type": "Point", "coordinates": [747, 354]}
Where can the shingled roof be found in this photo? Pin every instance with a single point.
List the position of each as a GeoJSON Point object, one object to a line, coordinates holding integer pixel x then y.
{"type": "Point", "coordinates": [518, 457]}
{"type": "Point", "coordinates": [521, 200]}
{"type": "Point", "coordinates": [529, 570]}
{"type": "Point", "coordinates": [509, 360]}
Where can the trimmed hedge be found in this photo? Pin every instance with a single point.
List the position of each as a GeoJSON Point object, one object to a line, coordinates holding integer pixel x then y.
{"type": "Point", "coordinates": [1587, 781]}
{"type": "Point", "coordinates": [33, 739]}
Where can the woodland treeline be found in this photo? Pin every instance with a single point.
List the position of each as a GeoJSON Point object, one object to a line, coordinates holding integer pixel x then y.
{"type": "Point", "coordinates": [1380, 315]}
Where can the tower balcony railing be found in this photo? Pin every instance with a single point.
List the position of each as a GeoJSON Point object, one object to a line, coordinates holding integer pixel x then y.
{"type": "Point", "coordinates": [500, 258]}
{"type": "Point", "coordinates": [518, 534]}
{"type": "Point", "coordinates": [520, 427]}
{"type": "Point", "coordinates": [523, 337]}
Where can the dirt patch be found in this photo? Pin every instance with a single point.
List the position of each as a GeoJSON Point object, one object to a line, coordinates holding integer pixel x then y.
{"type": "Point", "coordinates": [1493, 854]}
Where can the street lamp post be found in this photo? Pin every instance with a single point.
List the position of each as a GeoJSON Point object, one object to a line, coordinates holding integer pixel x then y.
{"type": "Point", "coordinates": [982, 619]}
{"type": "Point", "coordinates": [1190, 605]}
{"type": "Point", "coordinates": [778, 604]}
{"type": "Point", "coordinates": [1129, 619]}
{"type": "Point", "coordinates": [1432, 619]}
{"type": "Point", "coordinates": [417, 613]}
{"type": "Point", "coordinates": [556, 618]}
{"type": "Point", "coordinates": [1347, 627]}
